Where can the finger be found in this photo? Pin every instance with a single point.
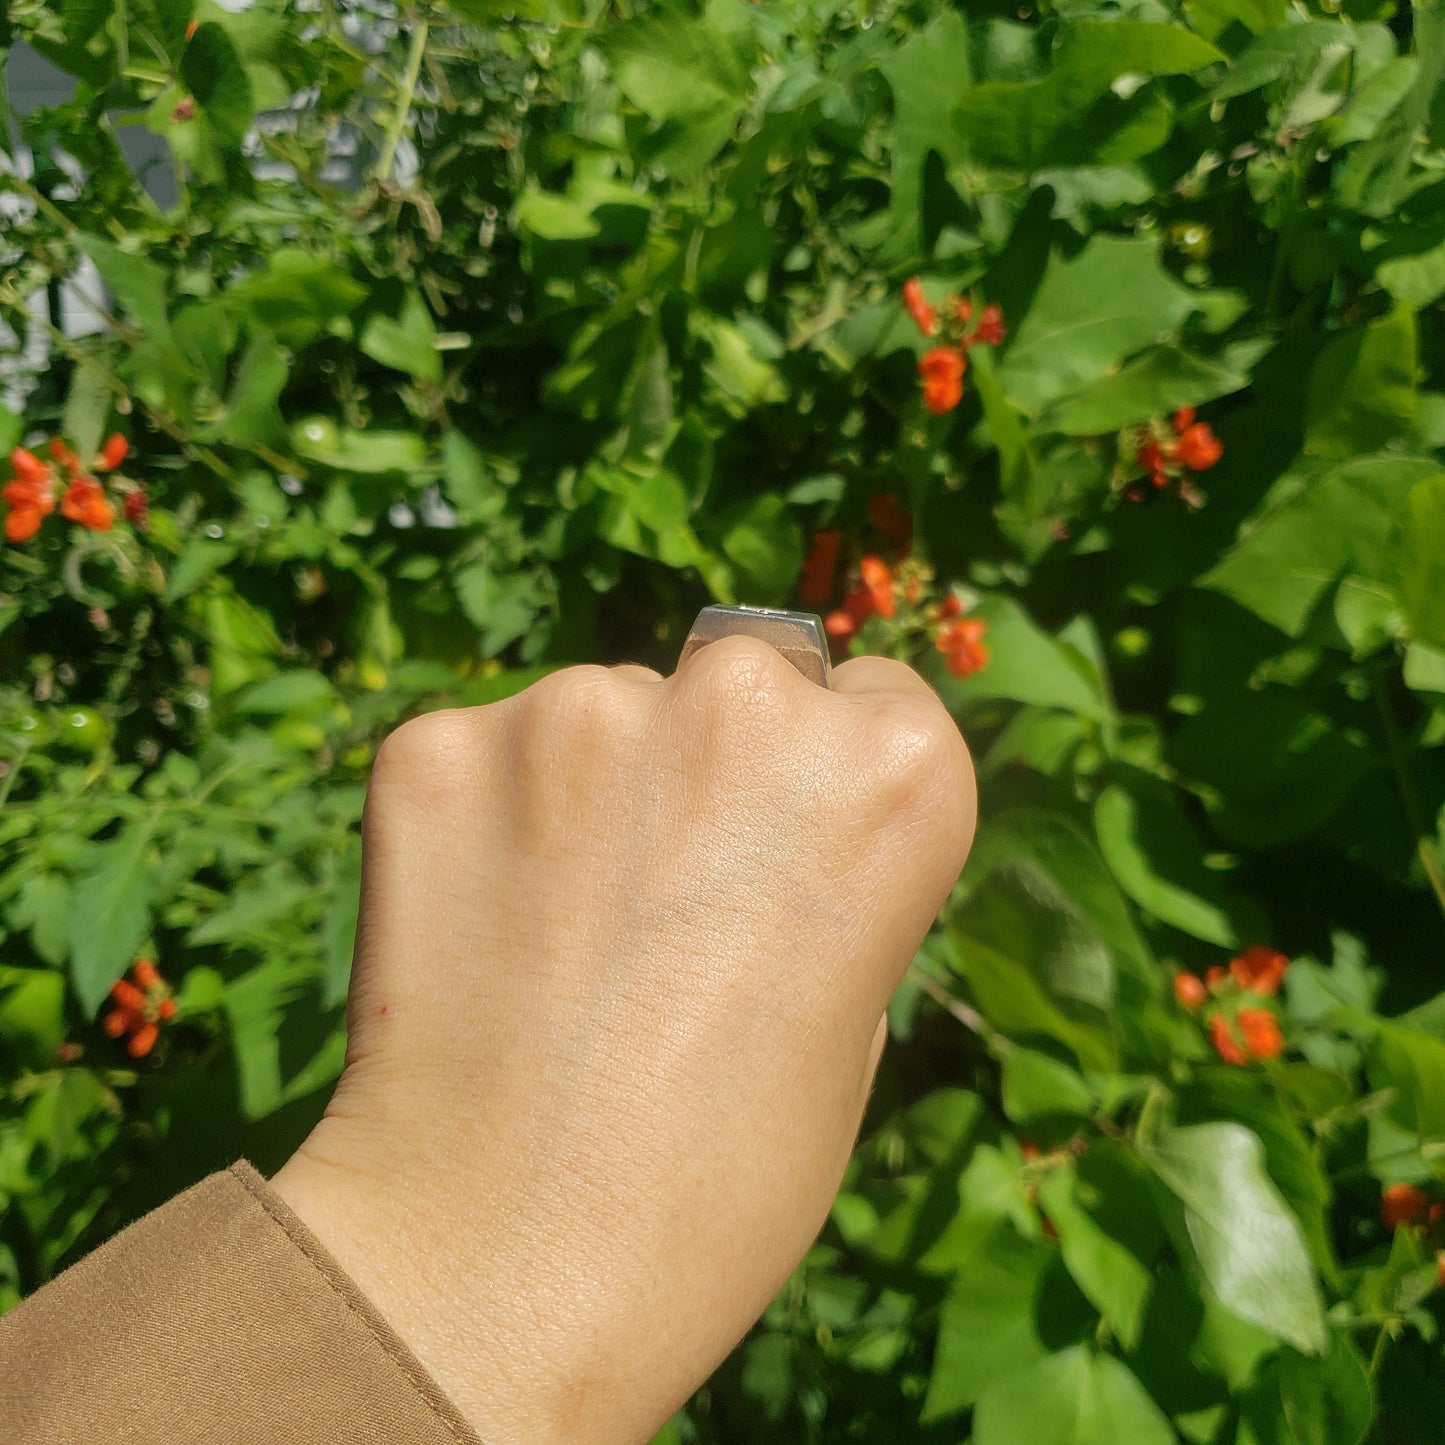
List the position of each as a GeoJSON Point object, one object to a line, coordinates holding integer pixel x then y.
{"type": "Point", "coordinates": [872, 676]}
{"type": "Point", "coordinates": [635, 672]}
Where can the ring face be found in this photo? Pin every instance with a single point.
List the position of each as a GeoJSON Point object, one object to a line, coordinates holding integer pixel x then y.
{"type": "Point", "coordinates": [799, 636]}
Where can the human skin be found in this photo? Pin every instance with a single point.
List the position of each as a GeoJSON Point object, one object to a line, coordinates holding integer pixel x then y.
{"type": "Point", "coordinates": [624, 951]}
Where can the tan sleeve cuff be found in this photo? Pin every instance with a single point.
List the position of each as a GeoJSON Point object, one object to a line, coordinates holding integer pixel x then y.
{"type": "Point", "coordinates": [220, 1318]}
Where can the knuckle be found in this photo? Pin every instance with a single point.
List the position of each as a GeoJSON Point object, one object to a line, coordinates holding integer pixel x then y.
{"type": "Point", "coordinates": [573, 698]}
{"type": "Point", "coordinates": [744, 674]}
{"type": "Point", "coordinates": [923, 754]}
{"type": "Point", "coordinates": [422, 745]}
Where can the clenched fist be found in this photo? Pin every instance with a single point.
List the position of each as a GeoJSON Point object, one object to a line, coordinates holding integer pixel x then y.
{"type": "Point", "coordinates": [624, 951]}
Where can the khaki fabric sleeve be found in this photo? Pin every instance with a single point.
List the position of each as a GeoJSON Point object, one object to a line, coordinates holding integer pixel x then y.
{"type": "Point", "coordinates": [219, 1318]}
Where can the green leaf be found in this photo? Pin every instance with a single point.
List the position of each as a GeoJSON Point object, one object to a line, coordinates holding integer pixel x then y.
{"type": "Point", "coordinates": [1092, 311]}
{"type": "Point", "coordinates": [1038, 1086]}
{"type": "Point", "coordinates": [139, 285]}
{"type": "Point", "coordinates": [471, 486]}
{"type": "Point", "coordinates": [296, 295]}
{"type": "Point", "coordinates": [1422, 560]}
{"type": "Point", "coordinates": [1246, 1240]}
{"type": "Point", "coordinates": [1281, 53]}
{"type": "Point", "coordinates": [300, 690]}
{"type": "Point", "coordinates": [1305, 1400]}
{"type": "Point", "coordinates": [87, 409]}
{"type": "Point", "coordinates": [1362, 388]}
{"type": "Point", "coordinates": [649, 402]}
{"type": "Point", "coordinates": [1156, 857]}
{"type": "Point", "coordinates": [32, 1008]}
{"type": "Point", "coordinates": [501, 606]}
{"type": "Point", "coordinates": [687, 75]}
{"type": "Point", "coordinates": [213, 72]}
{"type": "Point", "coordinates": [1336, 523]}
{"type": "Point", "coordinates": [1014, 1002]}
{"type": "Point", "coordinates": [927, 74]}
{"type": "Point", "coordinates": [994, 1319]}
{"type": "Point", "coordinates": [1025, 665]}
{"type": "Point", "coordinates": [1108, 1233]}
{"type": "Point", "coordinates": [1055, 868]}
{"type": "Point", "coordinates": [1412, 1066]}
{"type": "Point", "coordinates": [1290, 1156]}
{"type": "Point", "coordinates": [766, 545]}
{"type": "Point", "coordinates": [202, 558]}
{"type": "Point", "coordinates": [43, 907]}
{"type": "Point", "coordinates": [252, 413]}
{"type": "Point", "coordinates": [1074, 115]}
{"type": "Point", "coordinates": [1377, 177]}
{"type": "Point", "coordinates": [404, 339]}
{"type": "Point", "coordinates": [1154, 384]}
{"type": "Point", "coordinates": [275, 1023]}
{"type": "Point", "coordinates": [254, 914]}
{"type": "Point", "coordinates": [110, 913]}
{"type": "Point", "coordinates": [1077, 1397]}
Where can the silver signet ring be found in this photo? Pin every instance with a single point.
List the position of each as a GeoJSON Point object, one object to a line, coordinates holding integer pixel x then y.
{"type": "Point", "coordinates": [798, 636]}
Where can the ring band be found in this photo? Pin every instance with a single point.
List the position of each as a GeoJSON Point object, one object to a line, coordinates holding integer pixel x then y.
{"type": "Point", "coordinates": [798, 636]}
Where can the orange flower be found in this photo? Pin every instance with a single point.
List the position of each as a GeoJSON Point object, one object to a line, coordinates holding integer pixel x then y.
{"type": "Point", "coordinates": [925, 317]}
{"type": "Point", "coordinates": [64, 455]}
{"type": "Point", "coordinates": [29, 468]}
{"type": "Point", "coordinates": [1198, 448]}
{"type": "Point", "coordinates": [85, 502]}
{"type": "Point", "coordinates": [942, 370]}
{"type": "Point", "coordinates": [1226, 1043]}
{"type": "Point", "coordinates": [1215, 977]}
{"type": "Point", "coordinates": [1401, 1204]}
{"type": "Point", "coordinates": [877, 578]}
{"type": "Point", "coordinates": [139, 1008]}
{"type": "Point", "coordinates": [22, 521]}
{"type": "Point", "coordinates": [1259, 969]}
{"type": "Point", "coordinates": [840, 626]}
{"type": "Point", "coordinates": [1262, 1036]}
{"type": "Point", "coordinates": [990, 329]}
{"type": "Point", "coordinates": [815, 584]}
{"type": "Point", "coordinates": [962, 645]}
{"type": "Point", "coordinates": [1151, 458]}
{"type": "Point", "coordinates": [113, 453]}
{"type": "Point", "coordinates": [1183, 419]}
{"type": "Point", "coordinates": [1189, 990]}
{"type": "Point", "coordinates": [30, 498]}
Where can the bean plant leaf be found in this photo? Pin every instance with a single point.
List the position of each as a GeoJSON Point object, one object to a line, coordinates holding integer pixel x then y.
{"type": "Point", "coordinates": [1336, 523]}
{"type": "Point", "coordinates": [1155, 855]}
{"type": "Point", "coordinates": [1246, 1240]}
{"type": "Point", "coordinates": [1422, 560]}
{"type": "Point", "coordinates": [1108, 1235]}
{"type": "Point", "coordinates": [997, 1318]}
{"type": "Point", "coordinates": [110, 912]}
{"type": "Point", "coordinates": [1076, 1397]}
{"type": "Point", "coordinates": [1092, 311]}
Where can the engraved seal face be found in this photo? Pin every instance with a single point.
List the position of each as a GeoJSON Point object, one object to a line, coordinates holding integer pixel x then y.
{"type": "Point", "coordinates": [798, 636]}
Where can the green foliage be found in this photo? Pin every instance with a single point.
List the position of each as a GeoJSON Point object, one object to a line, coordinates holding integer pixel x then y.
{"type": "Point", "coordinates": [619, 342]}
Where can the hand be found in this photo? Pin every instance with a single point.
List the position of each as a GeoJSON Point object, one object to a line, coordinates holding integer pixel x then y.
{"type": "Point", "coordinates": [624, 951]}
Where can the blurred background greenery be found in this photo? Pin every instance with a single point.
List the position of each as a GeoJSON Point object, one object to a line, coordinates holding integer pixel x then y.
{"type": "Point", "coordinates": [451, 344]}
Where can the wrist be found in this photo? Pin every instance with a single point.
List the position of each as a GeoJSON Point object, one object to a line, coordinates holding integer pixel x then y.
{"type": "Point", "coordinates": [469, 1292]}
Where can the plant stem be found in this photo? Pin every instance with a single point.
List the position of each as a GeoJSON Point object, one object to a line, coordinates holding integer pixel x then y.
{"type": "Point", "coordinates": [414, 58]}
{"type": "Point", "coordinates": [970, 1018]}
{"type": "Point", "coordinates": [1377, 1355]}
